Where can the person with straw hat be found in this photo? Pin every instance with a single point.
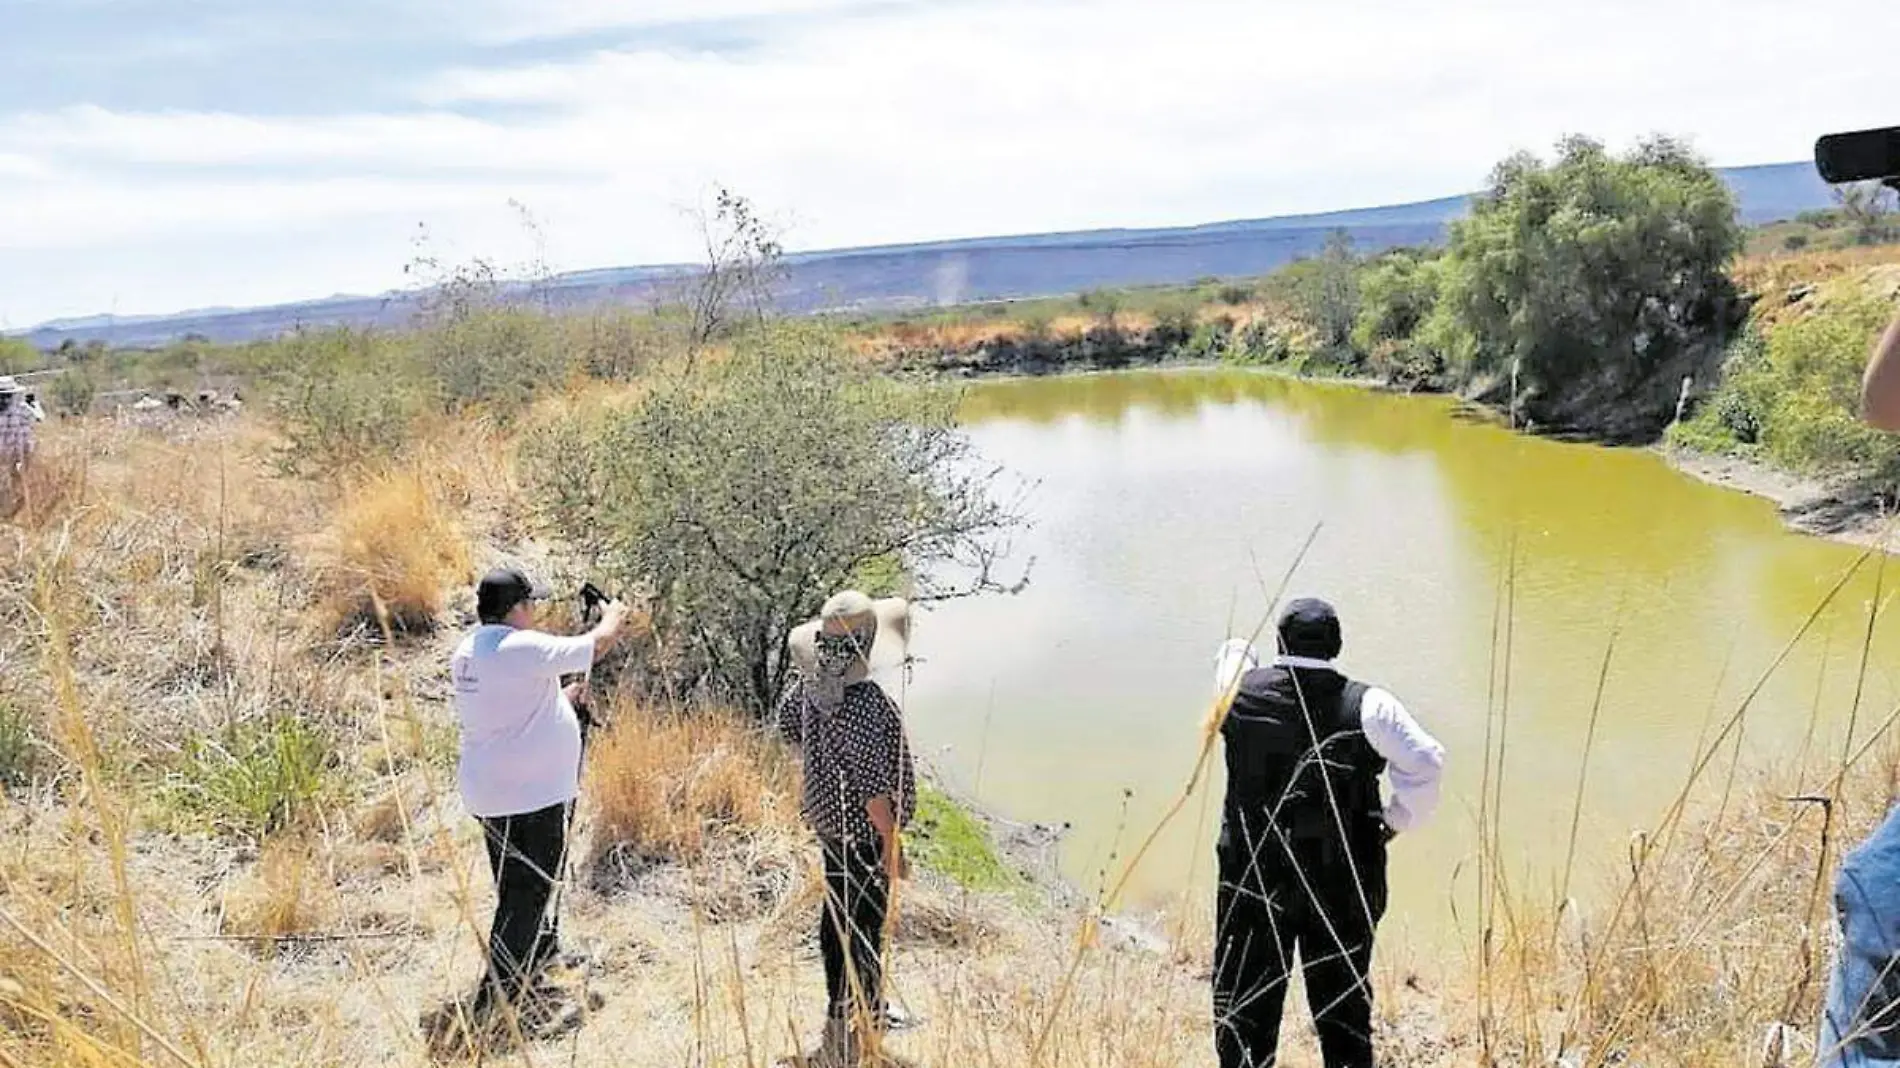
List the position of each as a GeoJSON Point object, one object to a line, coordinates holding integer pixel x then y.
{"type": "Point", "coordinates": [1303, 838]}
{"type": "Point", "coordinates": [860, 792]}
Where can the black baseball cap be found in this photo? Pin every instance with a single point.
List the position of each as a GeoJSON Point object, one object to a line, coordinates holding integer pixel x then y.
{"type": "Point", "coordinates": [502, 589]}
{"type": "Point", "coordinates": [1309, 627]}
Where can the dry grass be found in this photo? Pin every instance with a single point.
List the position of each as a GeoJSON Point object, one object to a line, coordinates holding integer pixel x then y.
{"type": "Point", "coordinates": [667, 785]}
{"type": "Point", "coordinates": [963, 336]}
{"type": "Point", "coordinates": [708, 801]}
{"type": "Point", "coordinates": [289, 893]}
{"type": "Point", "coordinates": [1786, 284]}
{"type": "Point", "coordinates": [395, 547]}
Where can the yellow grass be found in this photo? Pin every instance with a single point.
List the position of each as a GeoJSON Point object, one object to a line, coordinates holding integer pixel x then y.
{"type": "Point", "coordinates": [396, 544]}
{"type": "Point", "coordinates": [666, 784]}
{"type": "Point", "coordinates": [290, 893]}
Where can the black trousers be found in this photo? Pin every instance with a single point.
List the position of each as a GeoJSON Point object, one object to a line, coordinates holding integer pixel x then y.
{"type": "Point", "coordinates": [851, 927]}
{"type": "Point", "coordinates": [1307, 898]}
{"type": "Point", "coordinates": [524, 853]}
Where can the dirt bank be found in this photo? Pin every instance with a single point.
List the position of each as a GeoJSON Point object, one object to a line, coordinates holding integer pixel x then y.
{"type": "Point", "coordinates": [1823, 508]}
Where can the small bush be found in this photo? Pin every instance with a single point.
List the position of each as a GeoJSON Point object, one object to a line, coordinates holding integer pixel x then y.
{"type": "Point", "coordinates": [252, 778]}
{"type": "Point", "coordinates": [1407, 364]}
{"type": "Point", "coordinates": [17, 751]}
{"type": "Point", "coordinates": [745, 493]}
{"type": "Point", "coordinates": [341, 401]}
{"type": "Point", "coordinates": [73, 391]}
{"type": "Point", "coordinates": [395, 543]}
{"type": "Point", "coordinates": [1798, 390]}
{"type": "Point", "coordinates": [495, 360]}
{"type": "Point", "coordinates": [1260, 342]}
{"type": "Point", "coordinates": [617, 346]}
{"type": "Point", "coordinates": [1174, 326]}
{"type": "Point", "coordinates": [1037, 320]}
{"type": "Point", "coordinates": [1703, 434]}
{"type": "Point", "coordinates": [1209, 341]}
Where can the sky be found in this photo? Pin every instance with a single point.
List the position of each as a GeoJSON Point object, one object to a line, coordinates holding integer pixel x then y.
{"type": "Point", "coordinates": [163, 155]}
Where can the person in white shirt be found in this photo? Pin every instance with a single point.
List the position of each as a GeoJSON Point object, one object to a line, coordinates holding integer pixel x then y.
{"type": "Point", "coordinates": [520, 765]}
{"type": "Point", "coordinates": [1304, 831]}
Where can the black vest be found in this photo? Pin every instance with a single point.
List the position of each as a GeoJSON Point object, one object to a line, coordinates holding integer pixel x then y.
{"type": "Point", "coordinates": [1276, 776]}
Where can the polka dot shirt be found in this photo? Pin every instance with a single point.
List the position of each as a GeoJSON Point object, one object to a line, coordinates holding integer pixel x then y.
{"type": "Point", "coordinates": [851, 755]}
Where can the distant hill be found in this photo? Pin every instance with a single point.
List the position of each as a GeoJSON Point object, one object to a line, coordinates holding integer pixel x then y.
{"type": "Point", "coordinates": [949, 272]}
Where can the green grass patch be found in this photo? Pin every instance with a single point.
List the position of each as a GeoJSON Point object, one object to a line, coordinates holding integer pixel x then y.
{"type": "Point", "coordinates": [1705, 434]}
{"type": "Point", "coordinates": [16, 746]}
{"type": "Point", "coordinates": [252, 778]}
{"type": "Point", "coordinates": [948, 840]}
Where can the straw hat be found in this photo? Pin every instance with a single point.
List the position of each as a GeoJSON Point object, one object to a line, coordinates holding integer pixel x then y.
{"type": "Point", "coordinates": [885, 622]}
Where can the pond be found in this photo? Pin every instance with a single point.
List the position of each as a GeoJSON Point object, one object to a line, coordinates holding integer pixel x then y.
{"type": "Point", "coordinates": [1168, 504]}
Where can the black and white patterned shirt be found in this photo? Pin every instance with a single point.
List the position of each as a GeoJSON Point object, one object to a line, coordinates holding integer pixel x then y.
{"type": "Point", "coordinates": [851, 755]}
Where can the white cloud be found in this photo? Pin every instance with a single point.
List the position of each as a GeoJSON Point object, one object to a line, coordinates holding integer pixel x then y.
{"type": "Point", "coordinates": [912, 122]}
{"type": "Point", "coordinates": [19, 166]}
{"type": "Point", "coordinates": [88, 134]}
{"type": "Point", "coordinates": [99, 214]}
{"type": "Point", "coordinates": [518, 20]}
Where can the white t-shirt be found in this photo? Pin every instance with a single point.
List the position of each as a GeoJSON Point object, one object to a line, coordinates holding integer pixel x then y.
{"type": "Point", "coordinates": [521, 744]}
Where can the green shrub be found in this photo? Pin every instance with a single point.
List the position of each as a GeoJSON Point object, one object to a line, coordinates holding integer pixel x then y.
{"type": "Point", "coordinates": [1797, 390]}
{"type": "Point", "coordinates": [72, 391]}
{"type": "Point", "coordinates": [253, 777]}
{"type": "Point", "coordinates": [1703, 434]}
{"type": "Point", "coordinates": [340, 398]}
{"type": "Point", "coordinates": [1209, 341]}
{"type": "Point", "coordinates": [1398, 293]}
{"type": "Point", "coordinates": [746, 491]}
{"type": "Point", "coordinates": [18, 754]}
{"type": "Point", "coordinates": [18, 357]}
{"type": "Point", "coordinates": [1325, 289]}
{"type": "Point", "coordinates": [495, 359]}
{"type": "Point", "coordinates": [1260, 342]}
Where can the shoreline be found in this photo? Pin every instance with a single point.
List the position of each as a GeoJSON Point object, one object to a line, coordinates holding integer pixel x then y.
{"type": "Point", "coordinates": [1813, 506]}
{"type": "Point", "coordinates": [1809, 505]}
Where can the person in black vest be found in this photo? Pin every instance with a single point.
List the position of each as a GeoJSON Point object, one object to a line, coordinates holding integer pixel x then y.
{"type": "Point", "coordinates": [1302, 851]}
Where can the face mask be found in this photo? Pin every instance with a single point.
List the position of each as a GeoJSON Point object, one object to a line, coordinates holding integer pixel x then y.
{"type": "Point", "coordinates": [836, 654]}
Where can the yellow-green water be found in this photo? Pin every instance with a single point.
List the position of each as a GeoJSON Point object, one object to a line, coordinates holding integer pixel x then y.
{"type": "Point", "coordinates": [1168, 504]}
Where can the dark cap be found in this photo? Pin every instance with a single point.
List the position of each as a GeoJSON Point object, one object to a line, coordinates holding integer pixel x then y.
{"type": "Point", "coordinates": [1309, 627]}
{"type": "Point", "coordinates": [501, 590]}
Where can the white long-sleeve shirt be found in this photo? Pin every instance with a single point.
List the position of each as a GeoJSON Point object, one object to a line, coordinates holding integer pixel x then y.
{"type": "Point", "coordinates": [1414, 761]}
